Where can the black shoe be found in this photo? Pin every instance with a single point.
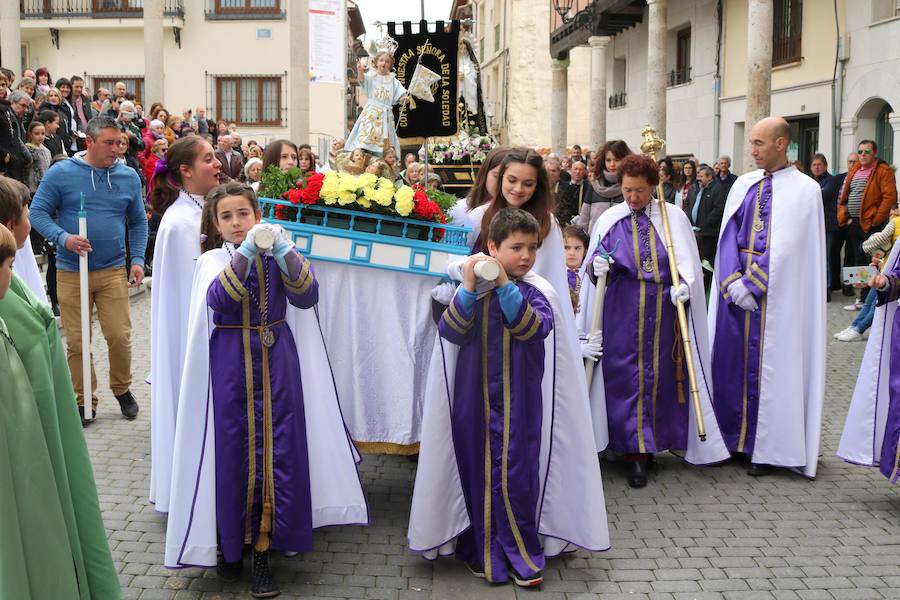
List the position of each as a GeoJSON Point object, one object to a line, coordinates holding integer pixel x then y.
{"type": "Point", "coordinates": [55, 309]}
{"type": "Point", "coordinates": [475, 569]}
{"type": "Point", "coordinates": [261, 583]}
{"type": "Point", "coordinates": [128, 405]}
{"type": "Point", "coordinates": [530, 581]}
{"type": "Point", "coordinates": [758, 470]}
{"type": "Point", "coordinates": [85, 422]}
{"type": "Point", "coordinates": [637, 473]}
{"type": "Point", "coordinates": [229, 571]}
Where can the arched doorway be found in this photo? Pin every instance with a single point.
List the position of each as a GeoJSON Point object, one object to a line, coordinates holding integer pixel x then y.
{"type": "Point", "coordinates": [873, 122]}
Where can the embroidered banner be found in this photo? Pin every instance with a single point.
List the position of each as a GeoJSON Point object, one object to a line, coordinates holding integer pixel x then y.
{"type": "Point", "coordinates": [437, 51]}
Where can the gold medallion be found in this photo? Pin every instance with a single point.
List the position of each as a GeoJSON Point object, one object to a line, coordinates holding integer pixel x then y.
{"type": "Point", "coordinates": [758, 226]}
{"type": "Point", "coordinates": [267, 337]}
{"type": "Point", "coordinates": [647, 264]}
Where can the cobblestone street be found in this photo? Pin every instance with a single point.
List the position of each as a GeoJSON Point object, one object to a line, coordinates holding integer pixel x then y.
{"type": "Point", "coordinates": [693, 532]}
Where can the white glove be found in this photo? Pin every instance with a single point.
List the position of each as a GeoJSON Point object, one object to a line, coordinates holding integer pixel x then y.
{"type": "Point", "coordinates": [251, 235]}
{"type": "Point", "coordinates": [592, 347]}
{"type": "Point", "coordinates": [443, 292]}
{"type": "Point", "coordinates": [680, 294]}
{"type": "Point", "coordinates": [601, 265]}
{"type": "Point", "coordinates": [455, 272]}
{"type": "Point", "coordinates": [279, 233]}
{"type": "Point", "coordinates": [741, 296]}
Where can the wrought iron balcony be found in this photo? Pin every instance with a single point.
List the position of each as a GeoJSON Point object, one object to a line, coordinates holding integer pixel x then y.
{"type": "Point", "coordinates": [94, 9]}
{"type": "Point", "coordinates": [679, 76]}
{"type": "Point", "coordinates": [617, 100]}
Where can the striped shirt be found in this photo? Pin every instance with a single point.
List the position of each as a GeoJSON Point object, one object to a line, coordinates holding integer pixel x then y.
{"type": "Point", "coordinates": [857, 189]}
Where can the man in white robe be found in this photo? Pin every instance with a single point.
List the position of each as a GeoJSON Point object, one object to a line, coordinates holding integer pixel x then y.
{"type": "Point", "coordinates": [767, 311]}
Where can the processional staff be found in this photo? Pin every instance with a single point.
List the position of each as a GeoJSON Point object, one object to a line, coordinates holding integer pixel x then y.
{"type": "Point", "coordinates": [651, 146]}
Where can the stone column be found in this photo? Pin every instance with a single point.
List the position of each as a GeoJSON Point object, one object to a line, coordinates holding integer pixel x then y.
{"type": "Point", "coordinates": [598, 46]}
{"type": "Point", "coordinates": [10, 37]}
{"type": "Point", "coordinates": [559, 105]}
{"type": "Point", "coordinates": [848, 144]}
{"type": "Point", "coordinates": [154, 57]}
{"type": "Point", "coordinates": [894, 120]}
{"type": "Point", "coordinates": [759, 68]}
{"type": "Point", "coordinates": [657, 31]}
{"type": "Point", "coordinates": [298, 73]}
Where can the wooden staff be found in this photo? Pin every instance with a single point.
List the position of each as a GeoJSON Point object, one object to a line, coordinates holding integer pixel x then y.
{"type": "Point", "coordinates": [651, 146]}
{"type": "Point", "coordinates": [596, 313]}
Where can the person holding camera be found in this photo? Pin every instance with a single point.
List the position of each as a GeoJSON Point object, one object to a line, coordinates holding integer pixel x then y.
{"type": "Point", "coordinates": [127, 125]}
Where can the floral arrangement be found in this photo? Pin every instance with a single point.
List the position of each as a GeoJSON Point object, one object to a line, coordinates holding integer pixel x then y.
{"type": "Point", "coordinates": [467, 149]}
{"type": "Point", "coordinates": [366, 192]}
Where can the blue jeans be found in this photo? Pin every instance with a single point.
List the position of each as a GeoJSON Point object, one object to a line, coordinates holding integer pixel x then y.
{"type": "Point", "coordinates": [867, 314]}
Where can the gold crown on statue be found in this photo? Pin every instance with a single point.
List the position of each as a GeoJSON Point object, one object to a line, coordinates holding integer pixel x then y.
{"type": "Point", "coordinates": [385, 44]}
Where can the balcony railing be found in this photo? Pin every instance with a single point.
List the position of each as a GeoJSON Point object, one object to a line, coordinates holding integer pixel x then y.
{"type": "Point", "coordinates": [241, 10]}
{"type": "Point", "coordinates": [617, 100]}
{"type": "Point", "coordinates": [679, 76]}
{"type": "Point", "coordinates": [94, 9]}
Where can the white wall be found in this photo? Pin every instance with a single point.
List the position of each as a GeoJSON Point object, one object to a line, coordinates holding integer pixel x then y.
{"type": "Point", "coordinates": [873, 71]}
{"type": "Point", "coordinates": [115, 47]}
{"type": "Point", "coordinates": [690, 107]}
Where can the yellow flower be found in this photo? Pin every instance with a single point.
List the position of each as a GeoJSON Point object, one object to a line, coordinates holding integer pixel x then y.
{"type": "Point", "coordinates": [366, 179]}
{"type": "Point", "coordinates": [346, 197]}
{"type": "Point", "coordinates": [383, 196]}
{"type": "Point", "coordinates": [404, 201]}
{"type": "Point", "coordinates": [364, 201]}
{"type": "Point", "coordinates": [348, 182]}
{"type": "Point", "coordinates": [330, 187]}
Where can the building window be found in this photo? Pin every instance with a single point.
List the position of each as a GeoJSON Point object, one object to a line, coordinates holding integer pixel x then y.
{"type": "Point", "coordinates": [496, 38]}
{"type": "Point", "coordinates": [682, 72]}
{"type": "Point", "coordinates": [884, 134]}
{"type": "Point", "coordinates": [107, 6]}
{"type": "Point", "coordinates": [244, 9]}
{"type": "Point", "coordinates": [885, 9]}
{"type": "Point", "coordinates": [134, 85]}
{"type": "Point", "coordinates": [787, 32]}
{"type": "Point", "coordinates": [249, 100]}
{"type": "Point", "coordinates": [618, 97]}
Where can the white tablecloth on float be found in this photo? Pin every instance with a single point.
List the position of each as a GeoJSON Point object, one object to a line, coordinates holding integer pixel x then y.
{"type": "Point", "coordinates": [380, 335]}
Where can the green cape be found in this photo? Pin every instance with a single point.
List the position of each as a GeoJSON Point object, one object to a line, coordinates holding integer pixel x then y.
{"type": "Point", "coordinates": [81, 535]}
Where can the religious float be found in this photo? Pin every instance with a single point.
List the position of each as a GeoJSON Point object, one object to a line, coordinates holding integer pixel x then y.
{"type": "Point", "coordinates": [458, 161]}
{"type": "Point", "coordinates": [380, 248]}
{"type": "Point", "coordinates": [365, 220]}
{"type": "Point", "coordinates": [378, 251]}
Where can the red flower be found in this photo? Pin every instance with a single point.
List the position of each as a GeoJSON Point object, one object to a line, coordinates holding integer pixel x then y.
{"type": "Point", "coordinates": [309, 190]}
{"type": "Point", "coordinates": [294, 195]}
{"type": "Point", "coordinates": [279, 212]}
{"type": "Point", "coordinates": [425, 208]}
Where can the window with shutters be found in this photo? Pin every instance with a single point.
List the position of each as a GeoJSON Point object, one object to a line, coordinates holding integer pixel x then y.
{"type": "Point", "coordinates": [787, 32]}
{"type": "Point", "coordinates": [249, 100]}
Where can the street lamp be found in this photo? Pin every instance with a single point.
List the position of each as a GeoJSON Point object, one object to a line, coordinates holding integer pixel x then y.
{"type": "Point", "coordinates": [563, 8]}
{"type": "Point", "coordinates": [584, 17]}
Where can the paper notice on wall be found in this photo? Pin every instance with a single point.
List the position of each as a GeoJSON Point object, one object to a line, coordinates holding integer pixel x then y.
{"type": "Point", "coordinates": [327, 50]}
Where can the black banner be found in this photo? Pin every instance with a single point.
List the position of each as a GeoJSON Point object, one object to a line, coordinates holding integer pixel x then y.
{"type": "Point", "coordinates": [438, 51]}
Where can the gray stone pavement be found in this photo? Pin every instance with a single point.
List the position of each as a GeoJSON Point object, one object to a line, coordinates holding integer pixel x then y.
{"type": "Point", "coordinates": [693, 532]}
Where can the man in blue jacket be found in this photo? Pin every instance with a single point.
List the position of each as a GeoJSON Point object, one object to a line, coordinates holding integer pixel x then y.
{"type": "Point", "coordinates": [112, 201]}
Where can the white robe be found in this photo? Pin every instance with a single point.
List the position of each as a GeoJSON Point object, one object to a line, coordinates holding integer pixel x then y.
{"type": "Point", "coordinates": [863, 434]}
{"type": "Point", "coordinates": [335, 487]}
{"type": "Point", "coordinates": [688, 262]}
{"type": "Point", "coordinates": [571, 511]}
{"type": "Point", "coordinates": [792, 379]}
{"type": "Point", "coordinates": [27, 268]}
{"type": "Point", "coordinates": [177, 249]}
